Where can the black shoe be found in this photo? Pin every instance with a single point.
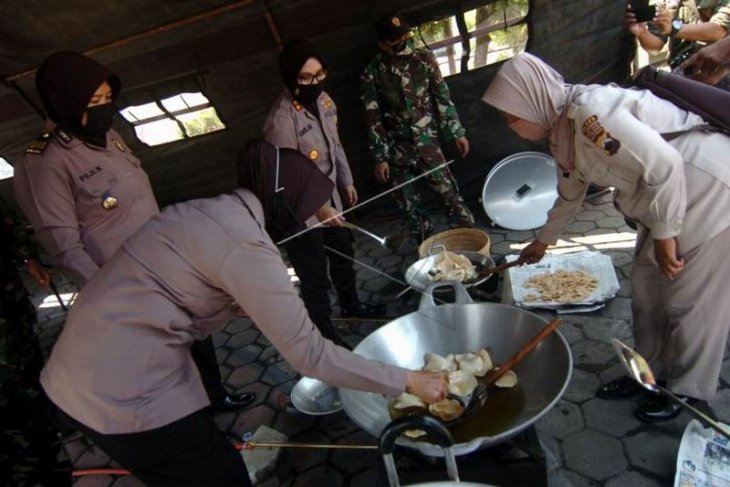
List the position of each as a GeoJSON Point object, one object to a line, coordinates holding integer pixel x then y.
{"type": "Point", "coordinates": [363, 310]}
{"type": "Point", "coordinates": [656, 408]}
{"type": "Point", "coordinates": [234, 402]}
{"type": "Point", "coordinates": [621, 388]}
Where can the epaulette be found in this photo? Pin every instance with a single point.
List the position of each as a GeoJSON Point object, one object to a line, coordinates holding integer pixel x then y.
{"type": "Point", "coordinates": [38, 146]}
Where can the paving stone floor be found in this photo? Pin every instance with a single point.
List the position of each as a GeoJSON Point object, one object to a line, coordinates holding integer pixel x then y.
{"type": "Point", "coordinates": [587, 441]}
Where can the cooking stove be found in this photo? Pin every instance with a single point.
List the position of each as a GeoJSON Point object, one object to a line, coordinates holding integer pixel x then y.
{"type": "Point", "coordinates": [519, 461]}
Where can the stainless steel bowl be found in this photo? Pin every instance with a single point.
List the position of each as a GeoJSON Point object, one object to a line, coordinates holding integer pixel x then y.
{"type": "Point", "coordinates": [312, 396]}
{"type": "Point", "coordinates": [417, 274]}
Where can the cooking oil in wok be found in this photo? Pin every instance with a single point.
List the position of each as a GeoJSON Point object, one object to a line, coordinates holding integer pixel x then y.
{"type": "Point", "coordinates": [498, 414]}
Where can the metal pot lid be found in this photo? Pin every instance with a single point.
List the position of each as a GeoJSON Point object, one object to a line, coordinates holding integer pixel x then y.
{"type": "Point", "coordinates": [520, 190]}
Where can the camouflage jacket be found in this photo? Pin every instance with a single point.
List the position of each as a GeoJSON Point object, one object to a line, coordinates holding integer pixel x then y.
{"type": "Point", "coordinates": [406, 98]}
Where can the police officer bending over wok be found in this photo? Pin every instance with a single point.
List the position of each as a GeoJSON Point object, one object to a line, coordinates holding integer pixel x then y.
{"type": "Point", "coordinates": [672, 179]}
{"type": "Point", "coordinates": [84, 191]}
{"type": "Point", "coordinates": [122, 368]}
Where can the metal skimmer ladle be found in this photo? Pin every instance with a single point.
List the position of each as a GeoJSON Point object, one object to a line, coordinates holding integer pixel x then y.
{"type": "Point", "coordinates": [479, 395]}
{"type": "Point", "coordinates": [639, 370]}
{"type": "Point", "coordinates": [392, 242]}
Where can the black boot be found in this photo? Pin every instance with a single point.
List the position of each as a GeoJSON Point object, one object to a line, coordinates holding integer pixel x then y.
{"type": "Point", "coordinates": [621, 388]}
{"type": "Point", "coordinates": [656, 408]}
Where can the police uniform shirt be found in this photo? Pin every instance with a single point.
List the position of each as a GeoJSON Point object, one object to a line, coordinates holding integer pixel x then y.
{"type": "Point", "coordinates": [122, 363]}
{"type": "Point", "coordinates": [290, 125]}
{"type": "Point", "coordinates": [83, 201]}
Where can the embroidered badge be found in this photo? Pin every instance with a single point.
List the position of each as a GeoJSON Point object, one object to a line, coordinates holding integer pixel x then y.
{"type": "Point", "coordinates": [120, 145]}
{"type": "Point", "coordinates": [63, 135]}
{"type": "Point", "coordinates": [313, 155]}
{"type": "Point", "coordinates": [108, 202]}
{"type": "Point", "coordinates": [593, 130]}
{"type": "Point", "coordinates": [39, 145]}
{"type": "Point", "coordinates": [327, 102]}
{"type": "Point", "coordinates": [297, 106]}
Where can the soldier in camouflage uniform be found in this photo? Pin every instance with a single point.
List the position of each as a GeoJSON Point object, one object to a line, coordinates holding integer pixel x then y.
{"type": "Point", "coordinates": [30, 451]}
{"type": "Point", "coordinates": [408, 106]}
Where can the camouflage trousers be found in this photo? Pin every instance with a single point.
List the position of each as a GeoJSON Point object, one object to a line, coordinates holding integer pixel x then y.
{"type": "Point", "coordinates": [410, 162]}
{"type": "Point", "coordinates": [30, 450]}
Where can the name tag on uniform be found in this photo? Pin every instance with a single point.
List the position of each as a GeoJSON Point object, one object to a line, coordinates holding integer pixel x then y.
{"type": "Point", "coordinates": [305, 130]}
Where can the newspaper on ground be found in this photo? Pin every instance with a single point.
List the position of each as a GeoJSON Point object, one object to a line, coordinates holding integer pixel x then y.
{"type": "Point", "coordinates": [594, 264]}
{"type": "Point", "coordinates": [703, 459]}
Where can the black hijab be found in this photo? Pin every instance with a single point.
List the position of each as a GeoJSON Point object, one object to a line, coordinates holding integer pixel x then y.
{"type": "Point", "coordinates": [305, 188]}
{"type": "Point", "coordinates": [66, 81]}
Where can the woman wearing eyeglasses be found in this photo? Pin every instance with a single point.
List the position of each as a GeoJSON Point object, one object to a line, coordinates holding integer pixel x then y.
{"type": "Point", "coordinates": [304, 118]}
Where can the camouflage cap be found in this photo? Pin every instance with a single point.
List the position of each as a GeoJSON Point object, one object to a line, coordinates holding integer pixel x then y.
{"type": "Point", "coordinates": [391, 27]}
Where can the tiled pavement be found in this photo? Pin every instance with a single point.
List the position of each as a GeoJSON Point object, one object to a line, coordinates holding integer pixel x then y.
{"type": "Point", "coordinates": [587, 441]}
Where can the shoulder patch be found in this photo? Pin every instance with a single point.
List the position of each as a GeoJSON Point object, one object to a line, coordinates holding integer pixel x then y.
{"type": "Point", "coordinates": [38, 146]}
{"type": "Point", "coordinates": [601, 138]}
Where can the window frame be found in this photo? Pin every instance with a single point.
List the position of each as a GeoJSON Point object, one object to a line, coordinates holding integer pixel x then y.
{"type": "Point", "coordinates": [464, 36]}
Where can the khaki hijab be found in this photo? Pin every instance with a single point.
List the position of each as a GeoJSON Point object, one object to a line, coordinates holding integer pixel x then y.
{"type": "Point", "coordinates": [528, 88]}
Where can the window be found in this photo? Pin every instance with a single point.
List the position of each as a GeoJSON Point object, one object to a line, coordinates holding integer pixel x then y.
{"type": "Point", "coordinates": [496, 32]}
{"type": "Point", "coordinates": [6, 170]}
{"type": "Point", "coordinates": [174, 118]}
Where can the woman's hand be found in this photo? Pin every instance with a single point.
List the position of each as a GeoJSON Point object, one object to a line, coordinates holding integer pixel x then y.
{"type": "Point", "coordinates": [382, 172]}
{"type": "Point", "coordinates": [38, 272]}
{"type": "Point", "coordinates": [667, 256]}
{"type": "Point", "coordinates": [429, 386]}
{"type": "Point", "coordinates": [350, 195]}
{"type": "Point", "coordinates": [329, 216]}
{"type": "Point", "coordinates": [533, 252]}
{"type": "Point", "coordinates": [634, 27]}
{"type": "Point", "coordinates": [663, 20]}
{"type": "Point", "coordinates": [462, 145]}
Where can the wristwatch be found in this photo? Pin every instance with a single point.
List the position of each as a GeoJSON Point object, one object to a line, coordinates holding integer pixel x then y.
{"type": "Point", "coordinates": [676, 27]}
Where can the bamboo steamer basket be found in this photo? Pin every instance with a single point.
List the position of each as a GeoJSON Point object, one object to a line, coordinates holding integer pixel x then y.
{"type": "Point", "coordinates": [472, 239]}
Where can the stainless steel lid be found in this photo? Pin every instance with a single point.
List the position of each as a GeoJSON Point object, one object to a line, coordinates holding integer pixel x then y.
{"type": "Point", "coordinates": [520, 189]}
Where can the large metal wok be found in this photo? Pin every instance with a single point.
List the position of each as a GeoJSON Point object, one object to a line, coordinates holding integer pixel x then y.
{"type": "Point", "coordinates": [457, 328]}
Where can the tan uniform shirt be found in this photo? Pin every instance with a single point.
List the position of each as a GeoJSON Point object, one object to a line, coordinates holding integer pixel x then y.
{"type": "Point", "coordinates": [83, 201]}
{"type": "Point", "coordinates": [122, 363]}
{"type": "Point", "coordinates": [290, 125]}
{"type": "Point", "coordinates": [677, 189]}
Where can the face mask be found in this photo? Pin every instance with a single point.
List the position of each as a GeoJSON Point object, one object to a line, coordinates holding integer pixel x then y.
{"type": "Point", "coordinates": [99, 120]}
{"type": "Point", "coordinates": [308, 93]}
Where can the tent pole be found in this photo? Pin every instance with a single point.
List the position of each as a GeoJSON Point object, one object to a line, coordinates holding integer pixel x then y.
{"type": "Point", "coordinates": [272, 25]}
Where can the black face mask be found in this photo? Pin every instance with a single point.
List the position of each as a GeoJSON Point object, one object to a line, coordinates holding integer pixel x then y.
{"type": "Point", "coordinates": [99, 120]}
{"type": "Point", "coordinates": [308, 94]}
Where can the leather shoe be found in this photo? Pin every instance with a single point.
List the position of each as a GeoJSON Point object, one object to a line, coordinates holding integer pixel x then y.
{"type": "Point", "coordinates": [234, 402]}
{"type": "Point", "coordinates": [363, 310]}
{"type": "Point", "coordinates": [621, 388]}
{"type": "Point", "coordinates": [656, 408]}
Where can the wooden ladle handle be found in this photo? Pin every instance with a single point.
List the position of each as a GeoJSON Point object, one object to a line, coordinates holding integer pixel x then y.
{"type": "Point", "coordinates": [500, 268]}
{"type": "Point", "coordinates": [521, 353]}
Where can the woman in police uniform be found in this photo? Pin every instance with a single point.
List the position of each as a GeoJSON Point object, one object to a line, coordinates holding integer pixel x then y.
{"type": "Point", "coordinates": [671, 178]}
{"type": "Point", "coordinates": [304, 118]}
{"type": "Point", "coordinates": [83, 190]}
